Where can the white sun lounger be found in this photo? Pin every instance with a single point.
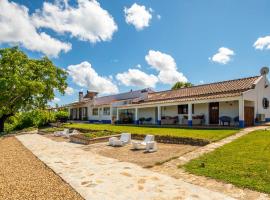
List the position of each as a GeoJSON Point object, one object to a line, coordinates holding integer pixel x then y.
{"type": "Point", "coordinates": [61, 133]}
{"type": "Point", "coordinates": [143, 144]}
{"type": "Point", "coordinates": [124, 139]}
{"type": "Point", "coordinates": [151, 146]}
{"type": "Point", "coordinates": [74, 132]}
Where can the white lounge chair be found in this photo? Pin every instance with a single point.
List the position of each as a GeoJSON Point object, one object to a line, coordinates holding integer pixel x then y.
{"type": "Point", "coordinates": [143, 144]}
{"type": "Point", "coordinates": [74, 132]}
{"type": "Point", "coordinates": [124, 139]}
{"type": "Point", "coordinates": [61, 133]}
{"type": "Point", "coordinates": [151, 146]}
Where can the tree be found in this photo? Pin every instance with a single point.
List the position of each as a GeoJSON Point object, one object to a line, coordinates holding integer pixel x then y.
{"type": "Point", "coordinates": [179, 85]}
{"type": "Point", "coordinates": [26, 83]}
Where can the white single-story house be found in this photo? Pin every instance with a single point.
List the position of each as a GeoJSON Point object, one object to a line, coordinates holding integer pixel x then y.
{"type": "Point", "coordinates": [94, 109]}
{"type": "Point", "coordinates": [240, 102]}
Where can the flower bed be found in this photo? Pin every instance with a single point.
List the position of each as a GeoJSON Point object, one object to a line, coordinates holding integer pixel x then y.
{"type": "Point", "coordinates": [82, 139]}
{"type": "Point", "coordinates": [88, 139]}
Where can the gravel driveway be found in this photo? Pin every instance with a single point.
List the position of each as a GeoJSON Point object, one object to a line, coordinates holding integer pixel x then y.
{"type": "Point", "coordinates": [23, 176]}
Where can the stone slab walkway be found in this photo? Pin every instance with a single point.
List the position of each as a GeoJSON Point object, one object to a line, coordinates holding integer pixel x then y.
{"type": "Point", "coordinates": [171, 168]}
{"type": "Point", "coordinates": [101, 178]}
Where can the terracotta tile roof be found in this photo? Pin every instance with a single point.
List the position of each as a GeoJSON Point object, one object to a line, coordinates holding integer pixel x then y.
{"type": "Point", "coordinates": [207, 91]}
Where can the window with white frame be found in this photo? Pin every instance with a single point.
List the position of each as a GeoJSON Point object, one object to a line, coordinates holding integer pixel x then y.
{"type": "Point", "coordinates": [106, 111]}
{"type": "Point", "coordinates": [95, 111]}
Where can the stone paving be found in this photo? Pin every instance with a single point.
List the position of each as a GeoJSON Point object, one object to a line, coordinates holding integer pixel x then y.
{"type": "Point", "coordinates": [172, 168]}
{"type": "Point", "coordinates": [97, 177]}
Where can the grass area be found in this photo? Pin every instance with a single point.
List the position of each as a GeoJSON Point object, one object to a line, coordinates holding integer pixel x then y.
{"type": "Point", "coordinates": [207, 134]}
{"type": "Point", "coordinates": [244, 162]}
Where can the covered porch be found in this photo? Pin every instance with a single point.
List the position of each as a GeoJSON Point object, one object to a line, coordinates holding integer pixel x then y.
{"type": "Point", "coordinates": [229, 112]}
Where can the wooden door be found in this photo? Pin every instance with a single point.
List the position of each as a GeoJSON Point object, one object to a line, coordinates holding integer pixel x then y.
{"type": "Point", "coordinates": [214, 113]}
{"type": "Point", "coordinates": [249, 116]}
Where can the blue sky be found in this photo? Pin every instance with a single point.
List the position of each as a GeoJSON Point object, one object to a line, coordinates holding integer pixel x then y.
{"type": "Point", "coordinates": [198, 41]}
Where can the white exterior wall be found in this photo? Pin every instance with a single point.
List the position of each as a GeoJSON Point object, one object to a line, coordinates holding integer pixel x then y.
{"type": "Point", "coordinates": [100, 115]}
{"type": "Point", "coordinates": [257, 96]}
{"type": "Point", "coordinates": [229, 108]}
{"type": "Point", "coordinates": [171, 111]}
{"type": "Point", "coordinates": [202, 109]}
{"type": "Point", "coordinates": [147, 112]}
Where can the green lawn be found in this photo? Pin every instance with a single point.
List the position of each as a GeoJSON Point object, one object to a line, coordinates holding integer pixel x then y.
{"type": "Point", "coordinates": [207, 134]}
{"type": "Point", "coordinates": [244, 162]}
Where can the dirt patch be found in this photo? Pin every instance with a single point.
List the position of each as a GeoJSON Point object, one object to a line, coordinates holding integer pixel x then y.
{"type": "Point", "coordinates": [23, 176]}
{"type": "Point", "coordinates": [127, 154]}
{"type": "Point", "coordinates": [56, 139]}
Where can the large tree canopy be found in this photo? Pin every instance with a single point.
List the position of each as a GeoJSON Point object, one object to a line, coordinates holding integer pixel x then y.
{"type": "Point", "coordinates": [179, 85]}
{"type": "Point", "coordinates": [26, 83]}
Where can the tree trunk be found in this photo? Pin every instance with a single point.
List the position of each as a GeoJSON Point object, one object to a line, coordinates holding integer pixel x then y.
{"type": "Point", "coordinates": [2, 122]}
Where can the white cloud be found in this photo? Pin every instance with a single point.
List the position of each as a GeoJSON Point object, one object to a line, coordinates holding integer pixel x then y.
{"type": "Point", "coordinates": [201, 82]}
{"type": "Point", "coordinates": [223, 56]}
{"type": "Point", "coordinates": [158, 16]}
{"type": "Point", "coordinates": [85, 76]}
{"type": "Point", "coordinates": [136, 77]}
{"type": "Point", "coordinates": [138, 15]}
{"type": "Point", "coordinates": [88, 21]}
{"type": "Point", "coordinates": [262, 43]}
{"type": "Point", "coordinates": [166, 66]}
{"type": "Point", "coordinates": [69, 91]}
{"type": "Point", "coordinates": [17, 28]}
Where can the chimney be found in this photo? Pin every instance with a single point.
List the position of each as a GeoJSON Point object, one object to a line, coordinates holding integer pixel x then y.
{"type": "Point", "coordinates": [264, 71]}
{"type": "Point", "coordinates": [80, 96]}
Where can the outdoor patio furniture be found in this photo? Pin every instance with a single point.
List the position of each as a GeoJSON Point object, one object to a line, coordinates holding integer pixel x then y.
{"type": "Point", "coordinates": [61, 133]}
{"type": "Point", "coordinates": [124, 139]}
{"type": "Point", "coordinates": [74, 132]}
{"type": "Point", "coordinates": [142, 145]}
{"type": "Point", "coordinates": [167, 120]}
{"type": "Point", "coordinates": [111, 140]}
{"type": "Point", "coordinates": [225, 119]}
{"type": "Point", "coordinates": [151, 146]}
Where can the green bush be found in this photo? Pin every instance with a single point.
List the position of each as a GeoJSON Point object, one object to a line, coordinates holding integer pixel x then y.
{"type": "Point", "coordinates": [61, 115]}
{"type": "Point", "coordinates": [35, 118]}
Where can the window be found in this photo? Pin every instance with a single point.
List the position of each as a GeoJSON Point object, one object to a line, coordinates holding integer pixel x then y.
{"type": "Point", "coordinates": [183, 109]}
{"type": "Point", "coordinates": [95, 111]}
{"type": "Point", "coordinates": [106, 111]}
{"type": "Point", "coordinates": [265, 103]}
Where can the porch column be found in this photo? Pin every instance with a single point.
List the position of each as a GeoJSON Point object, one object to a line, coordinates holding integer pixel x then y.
{"type": "Point", "coordinates": [136, 116]}
{"type": "Point", "coordinates": [117, 114]}
{"type": "Point", "coordinates": [241, 113]}
{"type": "Point", "coordinates": [111, 114]}
{"type": "Point", "coordinates": [159, 115]}
{"type": "Point", "coordinates": [190, 114]}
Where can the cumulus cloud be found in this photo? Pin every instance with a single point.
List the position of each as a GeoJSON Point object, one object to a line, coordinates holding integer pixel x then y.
{"type": "Point", "coordinates": [88, 21]}
{"type": "Point", "coordinates": [17, 28]}
{"type": "Point", "coordinates": [136, 77]}
{"type": "Point", "coordinates": [69, 91]}
{"type": "Point", "coordinates": [85, 76]}
{"type": "Point", "coordinates": [262, 43]}
{"type": "Point", "coordinates": [166, 66]}
{"type": "Point", "coordinates": [138, 15]}
{"type": "Point", "coordinates": [223, 56]}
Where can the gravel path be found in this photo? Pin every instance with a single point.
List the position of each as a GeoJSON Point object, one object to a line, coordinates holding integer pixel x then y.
{"type": "Point", "coordinates": [97, 177]}
{"type": "Point", "coordinates": [23, 176]}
